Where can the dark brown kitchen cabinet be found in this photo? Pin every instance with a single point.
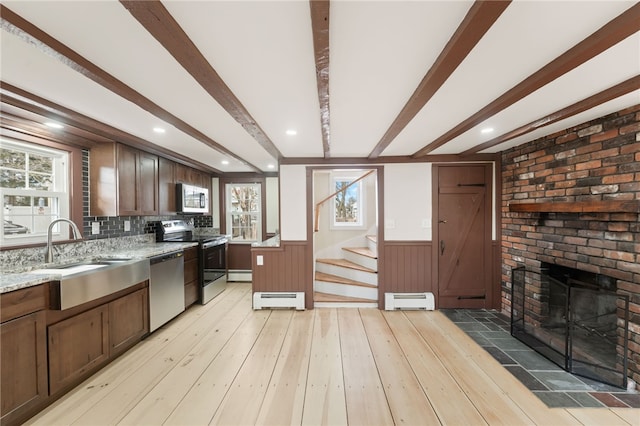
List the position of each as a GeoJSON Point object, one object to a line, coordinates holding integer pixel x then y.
{"type": "Point", "coordinates": [77, 346]}
{"type": "Point", "coordinates": [82, 343]}
{"type": "Point", "coordinates": [128, 321]}
{"type": "Point", "coordinates": [24, 366]}
{"type": "Point", "coordinates": [45, 352]}
{"type": "Point", "coordinates": [147, 188]}
{"type": "Point", "coordinates": [191, 287]}
{"type": "Point", "coordinates": [23, 353]}
{"type": "Point", "coordinates": [191, 176]}
{"type": "Point", "coordinates": [123, 181]}
{"type": "Point", "coordinates": [166, 187]}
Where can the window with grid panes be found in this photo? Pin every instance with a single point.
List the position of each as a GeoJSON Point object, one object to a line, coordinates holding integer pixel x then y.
{"type": "Point", "coordinates": [34, 186]}
{"type": "Point", "coordinates": [244, 215]}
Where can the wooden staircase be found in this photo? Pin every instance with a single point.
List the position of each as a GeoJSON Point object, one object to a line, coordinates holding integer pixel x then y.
{"type": "Point", "coordinates": [351, 281]}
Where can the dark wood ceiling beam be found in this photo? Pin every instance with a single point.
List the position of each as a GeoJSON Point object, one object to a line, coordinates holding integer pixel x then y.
{"type": "Point", "coordinates": [21, 99]}
{"type": "Point", "coordinates": [480, 17]}
{"type": "Point", "coordinates": [389, 159]}
{"type": "Point", "coordinates": [607, 36]}
{"type": "Point", "coordinates": [320, 29]}
{"type": "Point", "coordinates": [15, 24]}
{"type": "Point", "coordinates": [616, 91]}
{"type": "Point", "coordinates": [157, 20]}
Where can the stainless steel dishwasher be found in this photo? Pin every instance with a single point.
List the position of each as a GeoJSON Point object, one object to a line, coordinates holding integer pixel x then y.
{"type": "Point", "coordinates": [166, 288]}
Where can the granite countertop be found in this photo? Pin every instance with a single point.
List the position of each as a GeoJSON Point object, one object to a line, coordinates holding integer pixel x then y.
{"type": "Point", "coordinates": [271, 242]}
{"type": "Point", "coordinates": [11, 281]}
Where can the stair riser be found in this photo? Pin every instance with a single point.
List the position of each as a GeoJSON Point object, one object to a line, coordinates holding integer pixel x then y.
{"type": "Point", "coordinates": [346, 290]}
{"type": "Point", "coordinates": [361, 260]}
{"type": "Point", "coordinates": [372, 246]}
{"type": "Point", "coordinates": [352, 274]}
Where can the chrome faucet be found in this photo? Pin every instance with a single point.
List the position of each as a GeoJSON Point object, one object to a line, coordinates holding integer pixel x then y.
{"type": "Point", "coordinates": [48, 256]}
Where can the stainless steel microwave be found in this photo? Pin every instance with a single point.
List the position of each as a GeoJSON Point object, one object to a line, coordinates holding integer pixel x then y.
{"type": "Point", "coordinates": [191, 199]}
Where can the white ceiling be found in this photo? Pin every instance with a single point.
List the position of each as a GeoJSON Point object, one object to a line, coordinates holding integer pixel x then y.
{"type": "Point", "coordinates": [263, 50]}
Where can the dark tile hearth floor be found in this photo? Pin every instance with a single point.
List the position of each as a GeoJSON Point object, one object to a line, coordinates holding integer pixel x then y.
{"type": "Point", "coordinates": [554, 386]}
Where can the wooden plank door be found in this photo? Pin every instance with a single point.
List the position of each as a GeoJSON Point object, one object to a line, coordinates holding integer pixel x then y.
{"type": "Point", "coordinates": [462, 235]}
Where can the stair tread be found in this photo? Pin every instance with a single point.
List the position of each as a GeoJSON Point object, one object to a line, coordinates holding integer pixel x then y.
{"type": "Point", "coordinates": [321, 276]}
{"type": "Point", "coordinates": [326, 297]}
{"type": "Point", "coordinates": [364, 251]}
{"type": "Point", "coordinates": [346, 264]}
{"type": "Point", "coordinates": [373, 238]}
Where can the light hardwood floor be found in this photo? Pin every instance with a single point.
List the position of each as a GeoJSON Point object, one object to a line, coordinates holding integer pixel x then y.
{"type": "Point", "coordinates": [224, 363]}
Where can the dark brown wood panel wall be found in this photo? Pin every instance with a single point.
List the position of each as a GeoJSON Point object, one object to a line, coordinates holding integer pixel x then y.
{"type": "Point", "coordinates": [406, 268]}
{"type": "Point", "coordinates": [239, 257]}
{"type": "Point", "coordinates": [284, 268]}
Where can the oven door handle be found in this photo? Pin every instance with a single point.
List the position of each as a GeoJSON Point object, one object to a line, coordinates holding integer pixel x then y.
{"type": "Point", "coordinates": [213, 244]}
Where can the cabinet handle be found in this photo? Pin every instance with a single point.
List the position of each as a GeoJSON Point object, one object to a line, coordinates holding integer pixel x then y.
{"type": "Point", "coordinates": [441, 247]}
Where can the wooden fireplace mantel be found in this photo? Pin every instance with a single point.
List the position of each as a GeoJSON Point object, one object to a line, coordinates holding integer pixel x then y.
{"type": "Point", "coordinates": [612, 206]}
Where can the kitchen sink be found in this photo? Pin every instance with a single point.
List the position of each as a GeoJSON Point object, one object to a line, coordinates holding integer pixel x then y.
{"type": "Point", "coordinates": [78, 283]}
{"type": "Point", "coordinates": [71, 269]}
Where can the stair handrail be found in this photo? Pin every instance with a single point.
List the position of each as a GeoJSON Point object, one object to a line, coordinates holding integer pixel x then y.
{"type": "Point", "coordinates": [324, 200]}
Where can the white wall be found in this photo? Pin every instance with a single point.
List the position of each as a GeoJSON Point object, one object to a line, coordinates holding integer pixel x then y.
{"type": "Point", "coordinates": [271, 189]}
{"type": "Point", "coordinates": [293, 199]}
{"type": "Point", "coordinates": [407, 202]}
{"type": "Point", "coordinates": [215, 202]}
{"type": "Point", "coordinates": [407, 208]}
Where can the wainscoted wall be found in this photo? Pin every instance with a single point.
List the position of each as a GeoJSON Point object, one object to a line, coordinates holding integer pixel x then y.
{"type": "Point", "coordinates": [595, 161]}
{"type": "Point", "coordinates": [406, 268]}
{"type": "Point", "coordinates": [284, 268]}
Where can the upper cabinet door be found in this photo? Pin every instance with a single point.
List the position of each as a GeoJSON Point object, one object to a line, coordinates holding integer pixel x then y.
{"type": "Point", "coordinates": [166, 187]}
{"type": "Point", "coordinates": [123, 181]}
{"type": "Point", "coordinates": [147, 189]}
{"type": "Point", "coordinates": [127, 171]}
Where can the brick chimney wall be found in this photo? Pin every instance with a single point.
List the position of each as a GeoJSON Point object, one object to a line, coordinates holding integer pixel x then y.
{"type": "Point", "coordinates": [598, 160]}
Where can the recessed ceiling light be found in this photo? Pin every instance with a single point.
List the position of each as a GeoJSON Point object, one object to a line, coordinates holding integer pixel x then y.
{"type": "Point", "coordinates": [159, 130]}
{"type": "Point", "coordinates": [271, 166]}
{"type": "Point", "coordinates": [225, 162]}
{"type": "Point", "coordinates": [291, 132]}
{"type": "Point", "coordinates": [487, 130]}
{"type": "Point", "coordinates": [54, 125]}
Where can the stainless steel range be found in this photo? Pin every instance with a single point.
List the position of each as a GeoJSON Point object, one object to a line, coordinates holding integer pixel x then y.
{"type": "Point", "coordinates": [212, 255]}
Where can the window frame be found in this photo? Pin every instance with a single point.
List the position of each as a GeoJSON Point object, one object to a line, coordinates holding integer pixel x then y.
{"type": "Point", "coordinates": [350, 177]}
{"type": "Point", "coordinates": [75, 208]}
{"type": "Point", "coordinates": [227, 214]}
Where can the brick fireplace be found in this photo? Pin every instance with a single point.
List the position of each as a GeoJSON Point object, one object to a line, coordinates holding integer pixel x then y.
{"type": "Point", "coordinates": [596, 164]}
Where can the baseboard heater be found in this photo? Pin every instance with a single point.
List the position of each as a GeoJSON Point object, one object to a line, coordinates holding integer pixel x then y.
{"type": "Point", "coordinates": [269, 300]}
{"type": "Point", "coordinates": [424, 301]}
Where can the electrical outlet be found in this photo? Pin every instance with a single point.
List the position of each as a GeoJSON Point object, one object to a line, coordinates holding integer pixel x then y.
{"type": "Point", "coordinates": [95, 228]}
{"type": "Point", "coordinates": [426, 223]}
{"type": "Point", "coordinates": [259, 260]}
{"type": "Point", "coordinates": [390, 224]}
{"type": "Point", "coordinates": [127, 225]}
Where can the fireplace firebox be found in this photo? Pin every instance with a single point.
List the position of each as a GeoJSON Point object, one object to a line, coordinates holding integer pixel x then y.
{"type": "Point", "coordinates": [575, 318]}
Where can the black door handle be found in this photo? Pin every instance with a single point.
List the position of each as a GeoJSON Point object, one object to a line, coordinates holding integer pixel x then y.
{"type": "Point", "coordinates": [441, 247]}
